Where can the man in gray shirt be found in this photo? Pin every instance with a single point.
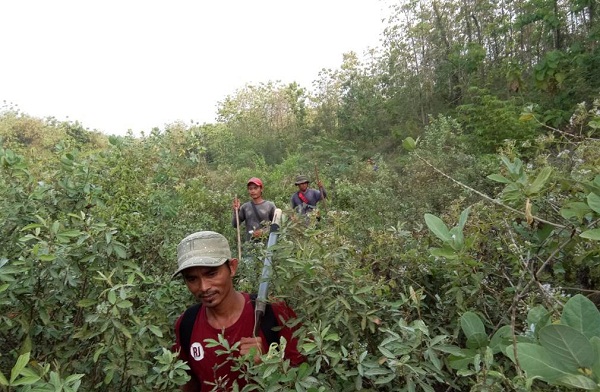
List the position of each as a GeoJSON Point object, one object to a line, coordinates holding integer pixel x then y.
{"type": "Point", "coordinates": [256, 213]}
{"type": "Point", "coordinates": [306, 199]}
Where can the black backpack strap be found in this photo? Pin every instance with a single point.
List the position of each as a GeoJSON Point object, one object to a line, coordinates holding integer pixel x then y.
{"type": "Point", "coordinates": [256, 212]}
{"type": "Point", "coordinates": [187, 326]}
{"type": "Point", "coordinates": [269, 325]}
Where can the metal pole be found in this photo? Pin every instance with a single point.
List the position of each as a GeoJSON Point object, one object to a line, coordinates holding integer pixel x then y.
{"type": "Point", "coordinates": [261, 299]}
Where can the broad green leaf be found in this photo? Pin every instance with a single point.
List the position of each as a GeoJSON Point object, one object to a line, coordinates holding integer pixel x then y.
{"type": "Point", "coordinates": [457, 241]}
{"type": "Point", "coordinates": [578, 381]}
{"type": "Point", "coordinates": [54, 379]}
{"type": "Point", "coordinates": [568, 346]}
{"type": "Point", "coordinates": [515, 168]}
{"type": "Point", "coordinates": [539, 182]}
{"type": "Point", "coordinates": [499, 178]}
{"type": "Point", "coordinates": [112, 297]}
{"type": "Point", "coordinates": [409, 144]}
{"type": "Point", "coordinates": [47, 257]}
{"type": "Point", "coordinates": [3, 380]}
{"type": "Point", "coordinates": [74, 377]}
{"type": "Point", "coordinates": [474, 330]}
{"type": "Point", "coordinates": [124, 304]}
{"type": "Point", "coordinates": [581, 313]}
{"type": "Point", "coordinates": [539, 317]}
{"type": "Point", "coordinates": [463, 360]}
{"type": "Point", "coordinates": [501, 339]}
{"type": "Point", "coordinates": [332, 336]}
{"type": "Point", "coordinates": [86, 302]}
{"type": "Point", "coordinates": [445, 252]}
{"type": "Point", "coordinates": [387, 353]}
{"type": "Point", "coordinates": [437, 227]}
{"type": "Point", "coordinates": [463, 218]}
{"type": "Point", "coordinates": [437, 339]}
{"type": "Point", "coordinates": [358, 300]}
{"type": "Point", "coordinates": [19, 366]}
{"type": "Point", "coordinates": [119, 250]}
{"type": "Point", "coordinates": [55, 227]}
{"type": "Point", "coordinates": [457, 351]}
{"type": "Point", "coordinates": [155, 330]}
{"type": "Point", "coordinates": [433, 357]}
{"type": "Point", "coordinates": [70, 233]}
{"type": "Point", "coordinates": [593, 234]}
{"type": "Point", "coordinates": [378, 371]}
{"type": "Point", "coordinates": [512, 192]}
{"type": "Point", "coordinates": [526, 117]}
{"type": "Point", "coordinates": [27, 380]}
{"type": "Point", "coordinates": [31, 226]}
{"type": "Point", "coordinates": [593, 200]}
{"type": "Point", "coordinates": [536, 361]}
{"type": "Point", "coordinates": [575, 210]}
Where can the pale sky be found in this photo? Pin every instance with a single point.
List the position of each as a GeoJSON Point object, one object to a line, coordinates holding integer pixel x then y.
{"type": "Point", "coordinates": [115, 65]}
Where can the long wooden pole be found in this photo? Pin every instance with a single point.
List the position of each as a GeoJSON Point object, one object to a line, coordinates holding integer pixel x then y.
{"type": "Point", "coordinates": [239, 237]}
{"type": "Point", "coordinates": [320, 188]}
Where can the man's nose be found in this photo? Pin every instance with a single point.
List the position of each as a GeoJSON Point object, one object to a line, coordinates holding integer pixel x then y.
{"type": "Point", "coordinates": [202, 286]}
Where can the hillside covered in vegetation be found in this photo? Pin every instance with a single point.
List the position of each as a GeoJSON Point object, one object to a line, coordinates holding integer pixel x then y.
{"type": "Point", "coordinates": [458, 249]}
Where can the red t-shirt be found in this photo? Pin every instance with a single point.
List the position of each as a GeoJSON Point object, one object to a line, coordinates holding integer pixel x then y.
{"type": "Point", "coordinates": [204, 361]}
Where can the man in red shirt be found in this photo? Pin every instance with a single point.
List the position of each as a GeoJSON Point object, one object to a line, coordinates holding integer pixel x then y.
{"type": "Point", "coordinates": [205, 262]}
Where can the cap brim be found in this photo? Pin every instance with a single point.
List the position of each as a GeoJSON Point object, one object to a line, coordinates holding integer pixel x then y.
{"type": "Point", "coordinates": [200, 262]}
{"type": "Point", "coordinates": [300, 183]}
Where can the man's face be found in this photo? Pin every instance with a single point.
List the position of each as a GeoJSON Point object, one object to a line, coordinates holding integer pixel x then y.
{"type": "Point", "coordinates": [302, 187]}
{"type": "Point", "coordinates": [254, 191]}
{"type": "Point", "coordinates": [210, 285]}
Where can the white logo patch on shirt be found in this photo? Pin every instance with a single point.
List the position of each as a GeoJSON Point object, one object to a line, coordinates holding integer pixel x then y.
{"type": "Point", "coordinates": [196, 351]}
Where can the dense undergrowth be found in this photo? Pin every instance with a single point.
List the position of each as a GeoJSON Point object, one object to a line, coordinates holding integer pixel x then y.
{"type": "Point", "coordinates": [427, 270]}
{"type": "Point", "coordinates": [458, 248]}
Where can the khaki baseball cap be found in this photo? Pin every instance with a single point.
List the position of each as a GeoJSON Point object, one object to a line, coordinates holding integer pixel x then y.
{"type": "Point", "coordinates": [202, 249]}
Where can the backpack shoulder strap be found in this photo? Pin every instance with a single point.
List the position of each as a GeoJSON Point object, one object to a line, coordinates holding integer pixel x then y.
{"type": "Point", "coordinates": [260, 219]}
{"type": "Point", "coordinates": [187, 326]}
{"type": "Point", "coordinates": [303, 197]}
{"type": "Point", "coordinates": [269, 323]}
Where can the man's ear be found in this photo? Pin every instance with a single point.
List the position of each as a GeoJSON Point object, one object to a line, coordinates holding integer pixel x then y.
{"type": "Point", "coordinates": [233, 265]}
